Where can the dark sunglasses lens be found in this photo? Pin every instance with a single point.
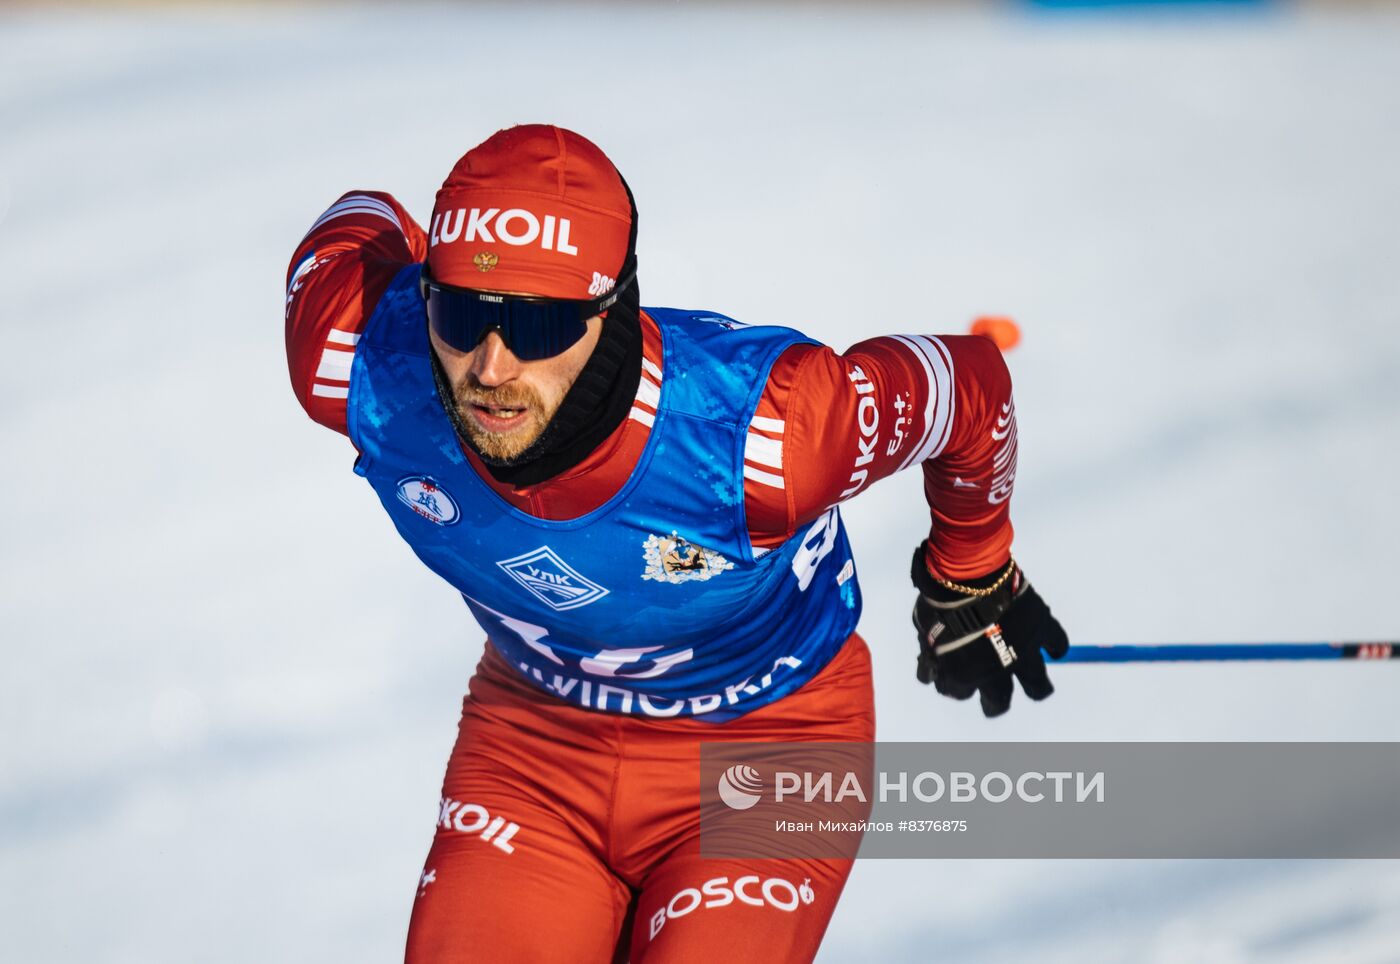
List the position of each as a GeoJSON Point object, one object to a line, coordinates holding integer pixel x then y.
{"type": "Point", "coordinates": [531, 329]}
{"type": "Point", "coordinates": [542, 329]}
{"type": "Point", "coordinates": [453, 319]}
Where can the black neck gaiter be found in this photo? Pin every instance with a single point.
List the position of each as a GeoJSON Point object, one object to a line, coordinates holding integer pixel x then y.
{"type": "Point", "coordinates": [594, 406]}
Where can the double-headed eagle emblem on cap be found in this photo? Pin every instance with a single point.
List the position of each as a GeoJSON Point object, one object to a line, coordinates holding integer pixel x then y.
{"type": "Point", "coordinates": [485, 260]}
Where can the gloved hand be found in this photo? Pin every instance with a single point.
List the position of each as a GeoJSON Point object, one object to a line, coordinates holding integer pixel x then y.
{"type": "Point", "coordinates": [977, 642]}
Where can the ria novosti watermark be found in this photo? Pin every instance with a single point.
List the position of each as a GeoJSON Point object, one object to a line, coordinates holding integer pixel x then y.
{"type": "Point", "coordinates": [844, 794]}
{"type": "Point", "coordinates": [1050, 800]}
{"type": "Point", "coordinates": [740, 787]}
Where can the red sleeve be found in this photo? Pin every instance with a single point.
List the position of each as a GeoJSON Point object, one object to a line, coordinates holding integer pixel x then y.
{"type": "Point", "coordinates": [337, 275]}
{"type": "Point", "coordinates": [829, 425]}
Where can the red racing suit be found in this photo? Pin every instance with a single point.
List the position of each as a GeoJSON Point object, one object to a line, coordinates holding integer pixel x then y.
{"type": "Point", "coordinates": [609, 804]}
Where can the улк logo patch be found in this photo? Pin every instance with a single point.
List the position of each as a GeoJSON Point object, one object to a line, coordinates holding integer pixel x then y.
{"type": "Point", "coordinates": [672, 559]}
{"type": "Point", "coordinates": [551, 580]}
{"type": "Point", "coordinates": [430, 500]}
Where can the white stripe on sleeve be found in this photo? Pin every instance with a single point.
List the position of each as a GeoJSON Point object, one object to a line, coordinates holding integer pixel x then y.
{"type": "Point", "coordinates": [338, 337]}
{"type": "Point", "coordinates": [763, 424]}
{"type": "Point", "coordinates": [335, 365]}
{"type": "Point", "coordinates": [763, 450]}
{"type": "Point", "coordinates": [763, 478]}
{"type": "Point", "coordinates": [648, 392]}
{"type": "Point", "coordinates": [942, 429]}
{"type": "Point", "coordinates": [937, 364]}
{"type": "Point", "coordinates": [358, 204]}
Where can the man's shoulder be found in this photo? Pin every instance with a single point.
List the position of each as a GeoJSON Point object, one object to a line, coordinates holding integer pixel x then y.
{"type": "Point", "coordinates": [707, 332]}
{"type": "Point", "coordinates": [339, 274]}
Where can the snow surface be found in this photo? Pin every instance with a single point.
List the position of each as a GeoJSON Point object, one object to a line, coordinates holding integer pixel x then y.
{"type": "Point", "coordinates": [229, 690]}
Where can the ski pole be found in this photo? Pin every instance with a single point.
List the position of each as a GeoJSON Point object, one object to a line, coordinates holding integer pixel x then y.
{"type": "Point", "coordinates": [1227, 652]}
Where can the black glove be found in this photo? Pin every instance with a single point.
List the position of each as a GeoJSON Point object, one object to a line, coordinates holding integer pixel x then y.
{"type": "Point", "coordinates": [973, 644]}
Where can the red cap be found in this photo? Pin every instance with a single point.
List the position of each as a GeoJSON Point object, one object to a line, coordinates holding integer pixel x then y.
{"type": "Point", "coordinates": [535, 209]}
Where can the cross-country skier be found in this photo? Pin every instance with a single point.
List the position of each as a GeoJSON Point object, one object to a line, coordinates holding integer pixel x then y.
{"type": "Point", "coordinates": [639, 506]}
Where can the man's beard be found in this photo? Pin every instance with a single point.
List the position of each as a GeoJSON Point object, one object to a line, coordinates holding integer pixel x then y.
{"type": "Point", "coordinates": [501, 446]}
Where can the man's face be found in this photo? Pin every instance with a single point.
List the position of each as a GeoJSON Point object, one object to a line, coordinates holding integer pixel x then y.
{"type": "Point", "coordinates": [504, 402]}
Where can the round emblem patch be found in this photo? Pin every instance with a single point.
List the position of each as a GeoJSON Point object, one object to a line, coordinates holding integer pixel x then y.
{"type": "Point", "coordinates": [429, 500]}
{"type": "Point", "coordinates": [673, 559]}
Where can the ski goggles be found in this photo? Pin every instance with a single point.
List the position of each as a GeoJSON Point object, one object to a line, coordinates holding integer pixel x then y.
{"type": "Point", "coordinates": [532, 327]}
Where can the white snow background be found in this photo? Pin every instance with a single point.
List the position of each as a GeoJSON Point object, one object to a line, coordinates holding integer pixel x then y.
{"type": "Point", "coordinates": [228, 691]}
